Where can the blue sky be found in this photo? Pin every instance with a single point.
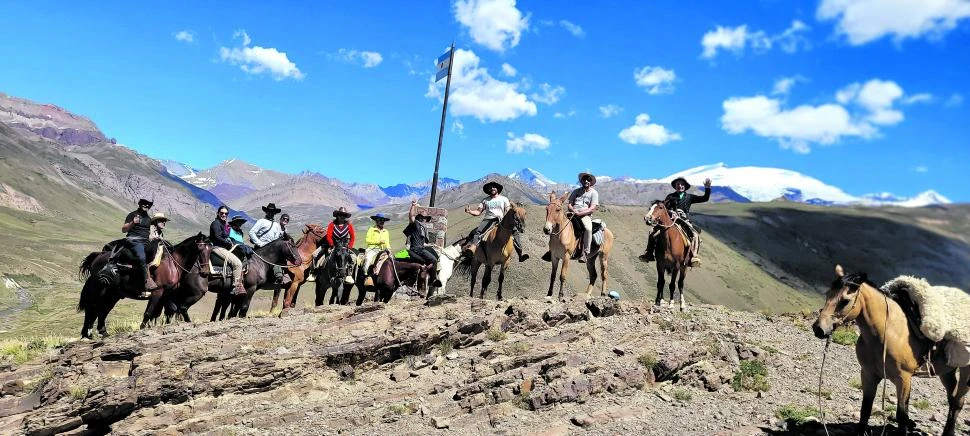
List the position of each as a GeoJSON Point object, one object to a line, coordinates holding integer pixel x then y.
{"type": "Point", "coordinates": [867, 95]}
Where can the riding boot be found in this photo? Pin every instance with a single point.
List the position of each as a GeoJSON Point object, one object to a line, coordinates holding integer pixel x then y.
{"type": "Point", "coordinates": [582, 258]}
{"type": "Point", "coordinates": [649, 256]}
{"type": "Point", "coordinates": [149, 283]}
{"type": "Point", "coordinates": [518, 248]}
{"type": "Point", "coordinates": [238, 289]}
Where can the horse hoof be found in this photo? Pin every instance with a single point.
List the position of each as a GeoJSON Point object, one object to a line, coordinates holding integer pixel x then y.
{"type": "Point", "coordinates": [658, 303]}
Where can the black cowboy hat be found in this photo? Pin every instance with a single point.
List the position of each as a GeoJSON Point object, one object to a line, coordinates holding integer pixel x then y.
{"type": "Point", "coordinates": [271, 208]}
{"type": "Point", "coordinates": [584, 175]}
{"type": "Point", "coordinates": [379, 217]}
{"type": "Point", "coordinates": [673, 183]}
{"type": "Point", "coordinates": [491, 184]}
{"type": "Point", "coordinates": [341, 212]}
{"type": "Point", "coordinates": [143, 202]}
{"type": "Point", "coordinates": [237, 218]}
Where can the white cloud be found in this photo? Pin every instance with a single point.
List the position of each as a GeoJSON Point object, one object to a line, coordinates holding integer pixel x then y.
{"type": "Point", "coordinates": [185, 36]}
{"type": "Point", "coordinates": [954, 101]}
{"type": "Point", "coordinates": [645, 132]}
{"type": "Point", "coordinates": [736, 39]}
{"type": "Point", "coordinates": [784, 85]}
{"type": "Point", "coordinates": [859, 109]}
{"type": "Point", "coordinates": [530, 142]}
{"type": "Point", "coordinates": [863, 21]}
{"type": "Point", "coordinates": [495, 24]}
{"type": "Point", "coordinates": [921, 169]}
{"type": "Point", "coordinates": [458, 127]}
{"type": "Point", "coordinates": [509, 71]}
{"type": "Point", "coordinates": [572, 28]}
{"type": "Point", "coordinates": [550, 94]}
{"type": "Point", "coordinates": [366, 59]}
{"type": "Point", "coordinates": [656, 80]}
{"type": "Point", "coordinates": [923, 97]}
{"type": "Point", "coordinates": [561, 115]}
{"type": "Point", "coordinates": [474, 92]}
{"type": "Point", "coordinates": [257, 60]}
{"type": "Point", "coordinates": [609, 111]}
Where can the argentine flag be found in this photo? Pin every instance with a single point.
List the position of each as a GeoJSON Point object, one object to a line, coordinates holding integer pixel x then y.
{"type": "Point", "coordinates": [443, 62]}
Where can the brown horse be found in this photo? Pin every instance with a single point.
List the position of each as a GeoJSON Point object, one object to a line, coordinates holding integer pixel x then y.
{"type": "Point", "coordinates": [258, 275]}
{"type": "Point", "coordinates": [313, 235]}
{"type": "Point", "coordinates": [392, 274]}
{"type": "Point", "coordinates": [853, 298]}
{"type": "Point", "coordinates": [563, 243]}
{"type": "Point", "coordinates": [495, 249]}
{"type": "Point", "coordinates": [671, 253]}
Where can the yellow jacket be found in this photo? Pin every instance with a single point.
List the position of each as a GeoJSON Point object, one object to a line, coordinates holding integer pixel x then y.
{"type": "Point", "coordinates": [378, 238]}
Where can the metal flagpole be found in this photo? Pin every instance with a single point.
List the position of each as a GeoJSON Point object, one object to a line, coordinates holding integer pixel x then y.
{"type": "Point", "coordinates": [441, 130]}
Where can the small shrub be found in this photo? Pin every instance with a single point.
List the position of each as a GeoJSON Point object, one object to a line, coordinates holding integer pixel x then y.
{"type": "Point", "coordinates": [648, 360]}
{"type": "Point", "coordinates": [795, 414]}
{"type": "Point", "coordinates": [45, 377]}
{"type": "Point", "coordinates": [683, 395]}
{"type": "Point", "coordinates": [666, 325]}
{"type": "Point", "coordinates": [322, 319]}
{"type": "Point", "coordinates": [517, 348]}
{"type": "Point", "coordinates": [751, 376]}
{"type": "Point", "coordinates": [402, 408]}
{"type": "Point", "coordinates": [855, 383]}
{"type": "Point", "coordinates": [922, 404]}
{"type": "Point", "coordinates": [845, 336]}
{"type": "Point", "coordinates": [78, 393]}
{"type": "Point", "coordinates": [116, 327]}
{"type": "Point", "coordinates": [826, 393]}
{"type": "Point", "coordinates": [496, 334]}
{"type": "Point", "coordinates": [445, 346]}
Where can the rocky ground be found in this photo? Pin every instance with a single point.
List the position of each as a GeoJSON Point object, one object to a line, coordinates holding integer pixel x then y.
{"type": "Point", "coordinates": [463, 365]}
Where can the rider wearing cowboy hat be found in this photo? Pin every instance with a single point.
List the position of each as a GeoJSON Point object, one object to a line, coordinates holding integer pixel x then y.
{"type": "Point", "coordinates": [156, 229]}
{"type": "Point", "coordinates": [583, 201]}
{"type": "Point", "coordinates": [418, 232]}
{"type": "Point", "coordinates": [266, 230]}
{"type": "Point", "coordinates": [679, 202]}
{"type": "Point", "coordinates": [495, 206]}
{"type": "Point", "coordinates": [137, 232]}
{"type": "Point", "coordinates": [377, 239]}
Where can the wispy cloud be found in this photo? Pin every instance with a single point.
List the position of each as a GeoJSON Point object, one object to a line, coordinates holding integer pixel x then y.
{"type": "Point", "coordinates": [573, 28]}
{"type": "Point", "coordinates": [527, 143]}
{"type": "Point", "coordinates": [186, 36]}
{"type": "Point", "coordinates": [609, 111]}
{"type": "Point", "coordinates": [562, 115]}
{"type": "Point", "coordinates": [923, 97]}
{"type": "Point", "coordinates": [656, 80]}
{"type": "Point", "coordinates": [548, 94]}
{"type": "Point", "coordinates": [921, 169]}
{"type": "Point", "coordinates": [954, 101]}
{"type": "Point", "coordinates": [784, 85]}
{"type": "Point", "coordinates": [737, 39]}
{"type": "Point", "coordinates": [508, 70]}
{"type": "Point", "coordinates": [257, 60]}
{"type": "Point", "coordinates": [366, 59]}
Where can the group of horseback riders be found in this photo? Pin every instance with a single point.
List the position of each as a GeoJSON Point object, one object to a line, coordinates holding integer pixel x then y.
{"type": "Point", "coordinates": [226, 235]}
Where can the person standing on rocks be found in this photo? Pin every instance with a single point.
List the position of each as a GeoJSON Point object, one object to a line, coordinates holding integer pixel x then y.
{"type": "Point", "coordinates": [137, 231]}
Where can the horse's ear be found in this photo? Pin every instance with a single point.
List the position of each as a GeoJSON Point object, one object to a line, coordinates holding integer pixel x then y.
{"type": "Point", "coordinates": [839, 272]}
{"type": "Point", "coordinates": [552, 196]}
{"type": "Point", "coordinates": [565, 195]}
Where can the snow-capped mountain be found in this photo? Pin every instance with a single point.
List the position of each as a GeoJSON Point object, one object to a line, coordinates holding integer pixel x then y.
{"type": "Point", "coordinates": [532, 178]}
{"type": "Point", "coordinates": [418, 190]}
{"type": "Point", "coordinates": [926, 198]}
{"type": "Point", "coordinates": [766, 184]}
{"type": "Point", "coordinates": [177, 169]}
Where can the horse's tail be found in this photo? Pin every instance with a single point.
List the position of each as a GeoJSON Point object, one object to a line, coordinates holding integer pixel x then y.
{"type": "Point", "coordinates": [464, 265]}
{"type": "Point", "coordinates": [89, 294]}
{"type": "Point", "coordinates": [84, 271]}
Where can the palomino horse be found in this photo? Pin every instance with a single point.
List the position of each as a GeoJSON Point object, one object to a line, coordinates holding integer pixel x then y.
{"type": "Point", "coordinates": [106, 283]}
{"type": "Point", "coordinates": [495, 249]}
{"type": "Point", "coordinates": [259, 275]}
{"type": "Point", "coordinates": [853, 298]}
{"type": "Point", "coordinates": [563, 243]}
{"type": "Point", "coordinates": [671, 253]}
{"type": "Point", "coordinates": [313, 236]}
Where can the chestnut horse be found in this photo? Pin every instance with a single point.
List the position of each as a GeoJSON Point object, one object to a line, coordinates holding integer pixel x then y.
{"type": "Point", "coordinates": [563, 243]}
{"type": "Point", "coordinates": [313, 236]}
{"type": "Point", "coordinates": [671, 253]}
{"type": "Point", "coordinates": [853, 298]}
{"type": "Point", "coordinates": [495, 249]}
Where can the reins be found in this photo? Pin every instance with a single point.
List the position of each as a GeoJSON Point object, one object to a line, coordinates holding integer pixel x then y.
{"type": "Point", "coordinates": [172, 256]}
{"type": "Point", "coordinates": [281, 266]}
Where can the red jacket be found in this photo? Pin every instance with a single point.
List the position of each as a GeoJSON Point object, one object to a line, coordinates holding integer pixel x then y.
{"type": "Point", "coordinates": [345, 232]}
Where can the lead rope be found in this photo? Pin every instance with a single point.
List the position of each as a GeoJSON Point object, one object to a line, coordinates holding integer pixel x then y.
{"type": "Point", "coordinates": [821, 410]}
{"type": "Point", "coordinates": [885, 346]}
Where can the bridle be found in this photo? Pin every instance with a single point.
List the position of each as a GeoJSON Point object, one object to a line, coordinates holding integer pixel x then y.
{"type": "Point", "coordinates": [568, 216]}
{"type": "Point", "coordinates": [203, 266]}
{"type": "Point", "coordinates": [289, 249]}
{"type": "Point", "coordinates": [654, 222]}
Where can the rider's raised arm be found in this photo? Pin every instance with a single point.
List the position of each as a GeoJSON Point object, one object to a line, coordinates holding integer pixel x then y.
{"type": "Point", "coordinates": [477, 211]}
{"type": "Point", "coordinates": [706, 196]}
{"type": "Point", "coordinates": [412, 211]}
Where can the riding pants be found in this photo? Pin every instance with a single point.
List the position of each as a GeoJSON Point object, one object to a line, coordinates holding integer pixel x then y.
{"type": "Point", "coordinates": [423, 254]}
{"type": "Point", "coordinates": [234, 262]}
{"type": "Point", "coordinates": [587, 222]}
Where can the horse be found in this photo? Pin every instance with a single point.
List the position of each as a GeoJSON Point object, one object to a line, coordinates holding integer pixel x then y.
{"type": "Point", "coordinates": [392, 274]}
{"type": "Point", "coordinates": [106, 282]}
{"type": "Point", "coordinates": [447, 257]}
{"type": "Point", "coordinates": [494, 249]}
{"type": "Point", "coordinates": [852, 297]}
{"type": "Point", "coordinates": [258, 275]}
{"type": "Point", "coordinates": [339, 264]}
{"type": "Point", "coordinates": [313, 236]}
{"type": "Point", "coordinates": [563, 243]}
{"type": "Point", "coordinates": [670, 252]}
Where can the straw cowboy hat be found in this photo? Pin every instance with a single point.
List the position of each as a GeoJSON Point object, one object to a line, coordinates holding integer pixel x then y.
{"type": "Point", "coordinates": [143, 202]}
{"type": "Point", "coordinates": [341, 212]}
{"type": "Point", "coordinates": [271, 208]}
{"type": "Point", "coordinates": [237, 219]}
{"type": "Point", "coordinates": [673, 183]}
{"type": "Point", "coordinates": [584, 175]}
{"type": "Point", "coordinates": [380, 217]}
{"type": "Point", "coordinates": [158, 216]}
{"type": "Point", "coordinates": [491, 184]}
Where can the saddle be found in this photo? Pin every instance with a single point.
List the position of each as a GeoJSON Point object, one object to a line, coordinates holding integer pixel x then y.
{"type": "Point", "coordinates": [122, 247]}
{"type": "Point", "coordinates": [599, 232]}
{"type": "Point", "coordinates": [220, 267]}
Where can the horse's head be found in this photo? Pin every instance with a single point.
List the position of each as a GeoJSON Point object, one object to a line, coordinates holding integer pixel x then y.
{"type": "Point", "coordinates": [657, 214]}
{"type": "Point", "coordinates": [446, 262]}
{"type": "Point", "coordinates": [204, 248]}
{"type": "Point", "coordinates": [316, 232]}
{"type": "Point", "coordinates": [515, 219]}
{"type": "Point", "coordinates": [840, 302]}
{"type": "Point", "coordinates": [555, 213]}
{"type": "Point", "coordinates": [292, 255]}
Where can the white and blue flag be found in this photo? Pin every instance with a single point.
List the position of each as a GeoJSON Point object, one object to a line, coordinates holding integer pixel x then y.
{"type": "Point", "coordinates": [443, 62]}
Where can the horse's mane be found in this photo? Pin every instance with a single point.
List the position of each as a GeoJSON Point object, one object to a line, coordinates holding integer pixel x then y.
{"type": "Point", "coordinates": [186, 245]}
{"type": "Point", "coordinates": [905, 302]}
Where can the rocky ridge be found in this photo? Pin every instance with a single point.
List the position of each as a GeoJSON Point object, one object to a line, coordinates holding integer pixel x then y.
{"type": "Point", "coordinates": [466, 365]}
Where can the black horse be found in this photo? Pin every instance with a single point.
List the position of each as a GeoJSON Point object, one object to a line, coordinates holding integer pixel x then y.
{"type": "Point", "coordinates": [258, 275]}
{"type": "Point", "coordinates": [109, 276]}
{"type": "Point", "coordinates": [339, 264]}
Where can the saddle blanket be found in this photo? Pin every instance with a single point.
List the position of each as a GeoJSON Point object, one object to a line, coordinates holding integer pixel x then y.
{"type": "Point", "coordinates": [945, 313]}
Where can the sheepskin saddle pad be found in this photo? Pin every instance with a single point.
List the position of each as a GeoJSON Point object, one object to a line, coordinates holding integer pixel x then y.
{"type": "Point", "coordinates": [945, 314]}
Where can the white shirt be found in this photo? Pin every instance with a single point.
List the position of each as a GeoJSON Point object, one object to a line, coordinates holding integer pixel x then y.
{"type": "Point", "coordinates": [264, 232]}
{"type": "Point", "coordinates": [496, 207]}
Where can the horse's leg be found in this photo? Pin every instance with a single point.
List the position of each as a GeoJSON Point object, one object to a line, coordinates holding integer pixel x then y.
{"type": "Point", "coordinates": [90, 315]}
{"type": "Point", "coordinates": [673, 285]}
{"type": "Point", "coordinates": [473, 270]}
{"type": "Point", "coordinates": [591, 272]}
{"type": "Point", "coordinates": [604, 264]}
{"type": "Point", "coordinates": [486, 280]}
{"type": "Point", "coordinates": [276, 297]}
{"type": "Point", "coordinates": [226, 304]}
{"type": "Point", "coordinates": [956, 391]}
{"type": "Point", "coordinates": [246, 300]}
{"type": "Point", "coordinates": [552, 277]}
{"type": "Point", "coordinates": [562, 277]}
{"type": "Point", "coordinates": [109, 303]}
{"type": "Point", "coordinates": [345, 296]}
{"type": "Point", "coordinates": [680, 286]}
{"type": "Point", "coordinates": [869, 384]}
{"type": "Point", "coordinates": [903, 390]}
{"type": "Point", "coordinates": [501, 279]}
{"type": "Point", "coordinates": [659, 301]}
{"type": "Point", "coordinates": [153, 309]}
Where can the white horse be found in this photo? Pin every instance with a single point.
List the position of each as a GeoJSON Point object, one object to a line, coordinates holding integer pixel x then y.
{"type": "Point", "coordinates": [447, 257]}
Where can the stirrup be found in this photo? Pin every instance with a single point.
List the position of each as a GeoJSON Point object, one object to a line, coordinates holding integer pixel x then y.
{"type": "Point", "coordinates": [369, 281]}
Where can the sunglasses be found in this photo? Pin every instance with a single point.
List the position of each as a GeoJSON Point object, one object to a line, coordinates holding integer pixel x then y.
{"type": "Point", "coordinates": [223, 213]}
